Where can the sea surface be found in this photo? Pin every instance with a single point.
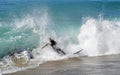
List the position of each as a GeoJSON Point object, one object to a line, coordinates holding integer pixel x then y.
{"type": "Point", "coordinates": [93, 26]}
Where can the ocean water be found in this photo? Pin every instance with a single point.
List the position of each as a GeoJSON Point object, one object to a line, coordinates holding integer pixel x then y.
{"type": "Point", "coordinates": [93, 26]}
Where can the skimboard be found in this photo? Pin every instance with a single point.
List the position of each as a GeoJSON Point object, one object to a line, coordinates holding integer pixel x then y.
{"type": "Point", "coordinates": [78, 52]}
{"type": "Point", "coordinates": [75, 53]}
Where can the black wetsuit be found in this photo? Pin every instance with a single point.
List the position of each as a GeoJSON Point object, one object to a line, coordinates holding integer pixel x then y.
{"type": "Point", "coordinates": [53, 44]}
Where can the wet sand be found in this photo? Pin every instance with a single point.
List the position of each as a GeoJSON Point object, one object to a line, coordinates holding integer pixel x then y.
{"type": "Point", "coordinates": [103, 65]}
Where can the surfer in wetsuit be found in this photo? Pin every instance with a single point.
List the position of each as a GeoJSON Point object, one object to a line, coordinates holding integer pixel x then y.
{"type": "Point", "coordinates": [53, 44]}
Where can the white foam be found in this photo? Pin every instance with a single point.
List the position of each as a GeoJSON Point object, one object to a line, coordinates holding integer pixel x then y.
{"type": "Point", "coordinates": [96, 37]}
{"type": "Point", "coordinates": [100, 37]}
{"type": "Point", "coordinates": [38, 24]}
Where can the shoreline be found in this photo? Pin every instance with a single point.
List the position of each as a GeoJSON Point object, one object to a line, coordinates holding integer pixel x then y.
{"type": "Point", "coordinates": [49, 65]}
{"type": "Point", "coordinates": [99, 65]}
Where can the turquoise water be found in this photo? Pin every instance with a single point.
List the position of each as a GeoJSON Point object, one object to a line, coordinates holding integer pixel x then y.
{"type": "Point", "coordinates": [26, 24]}
{"type": "Point", "coordinates": [93, 26]}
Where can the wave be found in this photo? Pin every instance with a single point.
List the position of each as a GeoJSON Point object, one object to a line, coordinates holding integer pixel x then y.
{"type": "Point", "coordinates": [27, 32]}
{"type": "Point", "coordinates": [100, 37]}
{"type": "Point", "coordinates": [96, 37]}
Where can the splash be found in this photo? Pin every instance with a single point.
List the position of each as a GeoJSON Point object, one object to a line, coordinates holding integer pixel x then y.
{"type": "Point", "coordinates": [96, 37]}
{"type": "Point", "coordinates": [100, 37]}
{"type": "Point", "coordinates": [29, 29]}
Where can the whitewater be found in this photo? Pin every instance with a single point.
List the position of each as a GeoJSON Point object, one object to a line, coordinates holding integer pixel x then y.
{"type": "Point", "coordinates": [93, 39]}
{"type": "Point", "coordinates": [29, 29]}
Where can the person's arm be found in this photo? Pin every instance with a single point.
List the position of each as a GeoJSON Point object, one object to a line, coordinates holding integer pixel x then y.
{"type": "Point", "coordinates": [45, 45]}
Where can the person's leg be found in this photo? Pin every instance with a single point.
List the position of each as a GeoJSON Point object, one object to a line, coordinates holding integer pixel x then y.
{"type": "Point", "coordinates": [61, 51]}
{"type": "Point", "coordinates": [57, 51]}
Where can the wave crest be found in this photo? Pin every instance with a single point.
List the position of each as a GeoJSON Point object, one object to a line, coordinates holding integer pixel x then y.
{"type": "Point", "coordinates": [100, 37]}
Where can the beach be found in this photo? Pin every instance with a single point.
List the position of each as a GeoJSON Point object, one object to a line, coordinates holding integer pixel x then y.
{"type": "Point", "coordinates": [101, 65]}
